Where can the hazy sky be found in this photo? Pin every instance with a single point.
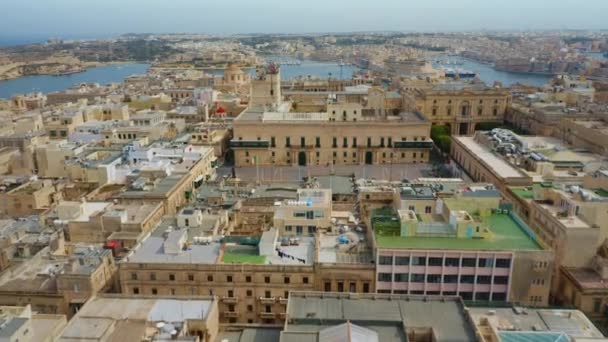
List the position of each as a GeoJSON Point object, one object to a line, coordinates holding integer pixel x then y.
{"type": "Point", "coordinates": [95, 18]}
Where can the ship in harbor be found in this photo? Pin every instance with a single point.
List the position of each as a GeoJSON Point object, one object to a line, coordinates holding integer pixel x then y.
{"type": "Point", "coordinates": [283, 60]}
{"type": "Point", "coordinates": [459, 73]}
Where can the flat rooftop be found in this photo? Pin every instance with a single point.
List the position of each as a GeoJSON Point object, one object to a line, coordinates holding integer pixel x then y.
{"type": "Point", "coordinates": [89, 209]}
{"type": "Point", "coordinates": [357, 251]}
{"type": "Point", "coordinates": [160, 247]}
{"type": "Point", "coordinates": [115, 318]}
{"type": "Point", "coordinates": [514, 324]}
{"type": "Point", "coordinates": [508, 235]}
{"type": "Point", "coordinates": [587, 278]}
{"type": "Point", "coordinates": [301, 254]}
{"type": "Point", "coordinates": [387, 315]}
{"type": "Point", "coordinates": [152, 250]}
{"type": "Point", "coordinates": [490, 159]}
{"type": "Point", "coordinates": [249, 334]}
{"type": "Point", "coordinates": [524, 192]}
{"type": "Point", "coordinates": [162, 188]}
{"type": "Point", "coordinates": [261, 115]}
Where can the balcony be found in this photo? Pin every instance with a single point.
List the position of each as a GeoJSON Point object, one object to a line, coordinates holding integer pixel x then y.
{"type": "Point", "coordinates": [283, 300]}
{"type": "Point", "coordinates": [267, 300]}
{"type": "Point", "coordinates": [230, 300]}
{"type": "Point", "coordinates": [249, 144]}
{"type": "Point", "coordinates": [267, 315]}
{"type": "Point", "coordinates": [231, 314]}
{"type": "Point", "coordinates": [414, 144]}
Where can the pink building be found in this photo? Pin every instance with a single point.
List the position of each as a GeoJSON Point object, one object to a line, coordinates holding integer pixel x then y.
{"type": "Point", "coordinates": [471, 245]}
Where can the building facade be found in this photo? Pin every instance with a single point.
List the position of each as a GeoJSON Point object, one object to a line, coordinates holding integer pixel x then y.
{"type": "Point", "coordinates": [462, 108]}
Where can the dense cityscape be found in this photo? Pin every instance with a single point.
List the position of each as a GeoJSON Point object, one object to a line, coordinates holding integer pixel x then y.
{"type": "Point", "coordinates": [363, 186]}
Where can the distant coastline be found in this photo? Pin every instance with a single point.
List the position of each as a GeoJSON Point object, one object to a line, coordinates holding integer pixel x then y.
{"type": "Point", "coordinates": [5, 76]}
{"type": "Point", "coordinates": [102, 73]}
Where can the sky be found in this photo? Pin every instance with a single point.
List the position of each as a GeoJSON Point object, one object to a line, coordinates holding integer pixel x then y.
{"type": "Point", "coordinates": [22, 19]}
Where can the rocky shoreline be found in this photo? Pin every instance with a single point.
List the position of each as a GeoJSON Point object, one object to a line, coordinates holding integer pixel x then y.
{"type": "Point", "coordinates": [18, 70]}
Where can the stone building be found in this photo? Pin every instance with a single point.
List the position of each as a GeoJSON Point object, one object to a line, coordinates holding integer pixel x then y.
{"type": "Point", "coordinates": [251, 276]}
{"type": "Point", "coordinates": [56, 284]}
{"type": "Point", "coordinates": [462, 106]}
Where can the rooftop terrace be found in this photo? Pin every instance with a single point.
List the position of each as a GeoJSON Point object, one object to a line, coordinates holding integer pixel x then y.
{"type": "Point", "coordinates": [525, 324]}
{"type": "Point", "coordinates": [509, 233]}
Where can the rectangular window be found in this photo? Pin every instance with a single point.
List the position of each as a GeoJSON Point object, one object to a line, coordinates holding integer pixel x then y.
{"type": "Point", "coordinates": [450, 278]}
{"type": "Point", "coordinates": [503, 263]}
{"type": "Point", "coordinates": [401, 277]}
{"type": "Point", "coordinates": [418, 261]}
{"type": "Point", "coordinates": [482, 296]}
{"type": "Point", "coordinates": [286, 280]}
{"type": "Point", "coordinates": [403, 261]}
{"type": "Point", "coordinates": [229, 279]}
{"type": "Point", "coordinates": [452, 262]}
{"type": "Point", "coordinates": [287, 142]}
{"type": "Point", "coordinates": [345, 142]}
{"type": "Point", "coordinates": [365, 287]}
{"type": "Point", "coordinates": [482, 279]}
{"type": "Point", "coordinates": [417, 278]}
{"type": "Point", "coordinates": [467, 279]}
{"type": "Point", "coordinates": [499, 296]}
{"type": "Point", "coordinates": [267, 279]}
{"type": "Point", "coordinates": [354, 141]}
{"type": "Point", "coordinates": [248, 279]}
{"type": "Point", "coordinates": [334, 142]}
{"type": "Point", "coordinates": [597, 305]}
{"type": "Point", "coordinates": [272, 142]}
{"type": "Point", "coordinates": [503, 280]}
{"type": "Point", "coordinates": [385, 260]}
{"type": "Point", "coordinates": [305, 280]}
{"type": "Point", "coordinates": [435, 261]}
{"type": "Point", "coordinates": [468, 262]}
{"type": "Point", "coordinates": [485, 262]}
{"type": "Point", "coordinates": [172, 277]}
{"type": "Point", "coordinates": [384, 277]}
{"type": "Point", "coordinates": [327, 286]}
{"type": "Point", "coordinates": [134, 276]}
{"type": "Point", "coordinates": [433, 278]}
{"type": "Point", "coordinates": [318, 142]}
{"type": "Point", "coordinates": [466, 295]}
{"type": "Point", "coordinates": [390, 142]}
{"type": "Point", "coordinates": [302, 141]}
{"type": "Point", "coordinates": [381, 142]}
{"type": "Point", "coordinates": [340, 286]}
{"type": "Point", "coordinates": [369, 142]}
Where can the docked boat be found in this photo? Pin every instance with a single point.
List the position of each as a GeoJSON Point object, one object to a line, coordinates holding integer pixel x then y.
{"type": "Point", "coordinates": [459, 73]}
